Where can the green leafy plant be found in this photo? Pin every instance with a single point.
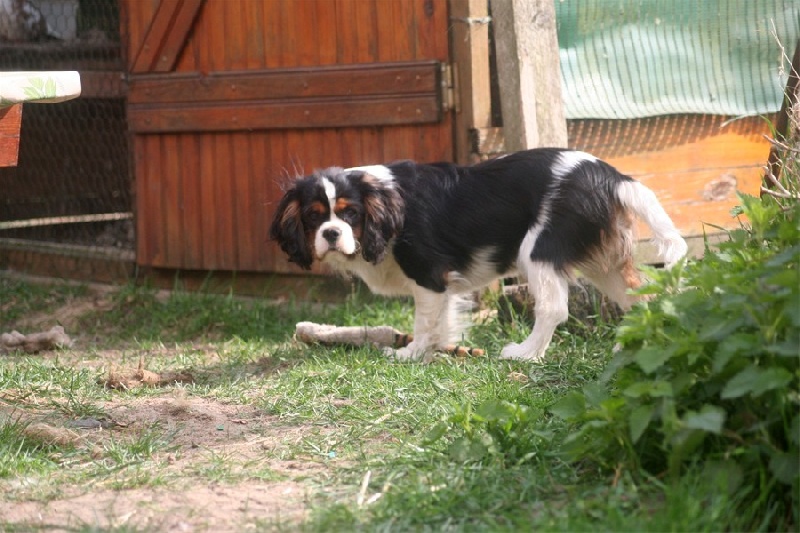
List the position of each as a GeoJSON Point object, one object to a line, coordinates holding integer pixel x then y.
{"type": "Point", "coordinates": [708, 370]}
{"type": "Point", "coordinates": [496, 430]}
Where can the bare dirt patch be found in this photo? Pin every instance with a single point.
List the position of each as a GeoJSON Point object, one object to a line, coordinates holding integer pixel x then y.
{"type": "Point", "coordinates": [200, 432]}
{"type": "Point", "coordinates": [213, 466]}
{"type": "Point", "coordinates": [238, 507]}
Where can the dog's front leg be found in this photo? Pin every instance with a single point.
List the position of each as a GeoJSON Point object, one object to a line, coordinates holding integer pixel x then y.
{"type": "Point", "coordinates": [431, 319]}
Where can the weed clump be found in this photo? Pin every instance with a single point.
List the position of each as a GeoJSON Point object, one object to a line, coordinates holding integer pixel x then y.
{"type": "Point", "coordinates": [708, 374]}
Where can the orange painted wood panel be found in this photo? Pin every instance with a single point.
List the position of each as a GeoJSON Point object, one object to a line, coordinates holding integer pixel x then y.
{"type": "Point", "coordinates": [10, 124]}
{"type": "Point", "coordinates": [205, 198]}
{"type": "Point", "coordinates": [694, 163]}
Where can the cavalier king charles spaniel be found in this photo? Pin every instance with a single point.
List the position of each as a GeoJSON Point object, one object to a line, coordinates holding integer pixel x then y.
{"type": "Point", "coordinates": [437, 231]}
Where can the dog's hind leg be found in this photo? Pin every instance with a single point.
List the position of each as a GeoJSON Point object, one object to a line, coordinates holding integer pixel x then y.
{"type": "Point", "coordinates": [550, 290]}
{"type": "Point", "coordinates": [616, 282]}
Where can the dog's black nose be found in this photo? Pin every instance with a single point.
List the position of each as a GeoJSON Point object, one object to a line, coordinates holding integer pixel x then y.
{"type": "Point", "coordinates": [331, 235]}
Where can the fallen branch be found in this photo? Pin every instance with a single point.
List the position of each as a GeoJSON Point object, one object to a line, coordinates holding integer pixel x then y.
{"type": "Point", "coordinates": [380, 336]}
{"type": "Point", "coordinates": [141, 377]}
{"type": "Point", "coordinates": [35, 342]}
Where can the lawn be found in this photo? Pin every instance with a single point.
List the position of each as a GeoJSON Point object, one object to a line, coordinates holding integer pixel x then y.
{"type": "Point", "coordinates": [264, 433]}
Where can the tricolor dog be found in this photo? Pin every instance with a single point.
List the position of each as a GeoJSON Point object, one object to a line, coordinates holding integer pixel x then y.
{"type": "Point", "coordinates": [437, 231]}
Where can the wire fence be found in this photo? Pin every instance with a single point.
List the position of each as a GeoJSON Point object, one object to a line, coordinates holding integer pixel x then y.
{"type": "Point", "coordinates": [70, 193]}
{"type": "Point", "coordinates": [671, 69]}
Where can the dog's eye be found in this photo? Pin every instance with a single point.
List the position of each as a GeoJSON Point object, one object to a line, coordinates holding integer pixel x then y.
{"type": "Point", "coordinates": [349, 215]}
{"type": "Point", "coordinates": [314, 217]}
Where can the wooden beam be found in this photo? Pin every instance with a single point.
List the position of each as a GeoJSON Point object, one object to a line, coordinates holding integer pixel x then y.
{"type": "Point", "coordinates": [380, 79]}
{"type": "Point", "coordinates": [530, 74]}
{"type": "Point", "coordinates": [283, 114]}
{"type": "Point", "coordinates": [167, 35]}
{"type": "Point", "coordinates": [339, 96]}
{"type": "Point", "coordinates": [10, 123]}
{"type": "Point", "coordinates": [469, 37]}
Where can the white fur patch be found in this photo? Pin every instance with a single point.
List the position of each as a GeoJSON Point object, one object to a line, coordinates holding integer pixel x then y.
{"type": "Point", "coordinates": [480, 272]}
{"type": "Point", "coordinates": [381, 172]}
{"type": "Point", "coordinates": [644, 203]}
{"type": "Point", "coordinates": [567, 161]}
{"type": "Point", "coordinates": [346, 243]}
{"type": "Point", "coordinates": [330, 191]}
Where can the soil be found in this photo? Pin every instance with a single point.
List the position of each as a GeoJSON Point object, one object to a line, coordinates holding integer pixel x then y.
{"type": "Point", "coordinates": [257, 488]}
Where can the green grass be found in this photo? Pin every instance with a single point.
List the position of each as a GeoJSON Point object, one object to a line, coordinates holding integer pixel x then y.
{"type": "Point", "coordinates": [349, 413]}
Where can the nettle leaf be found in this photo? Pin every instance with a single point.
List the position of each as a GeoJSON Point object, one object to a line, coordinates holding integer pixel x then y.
{"type": "Point", "coordinates": [653, 389]}
{"type": "Point", "coordinates": [570, 406]}
{"type": "Point", "coordinates": [785, 467]}
{"type": "Point", "coordinates": [770, 379]}
{"type": "Point", "coordinates": [726, 475]}
{"type": "Point", "coordinates": [436, 432]}
{"type": "Point", "coordinates": [741, 383]}
{"type": "Point", "coordinates": [718, 328]}
{"type": "Point", "coordinates": [595, 394]}
{"type": "Point", "coordinates": [790, 348]}
{"type": "Point", "coordinates": [756, 381]}
{"type": "Point", "coordinates": [465, 449]}
{"type": "Point", "coordinates": [794, 430]}
{"type": "Point", "coordinates": [786, 256]}
{"type": "Point", "coordinates": [736, 344]}
{"type": "Point", "coordinates": [650, 358]}
{"type": "Point", "coordinates": [710, 418]}
{"type": "Point", "coordinates": [500, 410]}
{"type": "Point", "coordinates": [639, 419]}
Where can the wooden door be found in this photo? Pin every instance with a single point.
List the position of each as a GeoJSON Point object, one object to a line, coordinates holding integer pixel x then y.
{"type": "Point", "coordinates": [229, 99]}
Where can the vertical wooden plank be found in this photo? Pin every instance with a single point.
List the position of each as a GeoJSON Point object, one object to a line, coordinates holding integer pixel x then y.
{"type": "Point", "coordinates": [150, 227]}
{"type": "Point", "coordinates": [235, 36]}
{"type": "Point", "coordinates": [366, 32]}
{"type": "Point", "coordinates": [394, 46]}
{"type": "Point", "coordinates": [216, 36]}
{"type": "Point", "coordinates": [207, 203]}
{"type": "Point", "coordinates": [278, 180]}
{"type": "Point", "coordinates": [262, 185]}
{"type": "Point", "coordinates": [226, 213]}
{"type": "Point", "coordinates": [470, 51]}
{"type": "Point", "coordinates": [252, 16]}
{"type": "Point", "coordinates": [172, 200]}
{"type": "Point", "coordinates": [239, 177]}
{"type": "Point", "coordinates": [288, 42]}
{"type": "Point", "coordinates": [271, 23]}
{"type": "Point", "coordinates": [326, 31]}
{"type": "Point", "coordinates": [192, 214]}
{"type": "Point", "coordinates": [347, 36]}
{"type": "Point", "coordinates": [10, 125]}
{"type": "Point", "coordinates": [530, 75]}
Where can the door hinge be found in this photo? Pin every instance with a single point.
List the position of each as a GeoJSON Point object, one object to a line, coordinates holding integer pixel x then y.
{"type": "Point", "coordinates": [450, 87]}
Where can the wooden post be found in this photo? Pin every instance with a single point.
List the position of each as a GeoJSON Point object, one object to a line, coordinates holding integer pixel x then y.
{"type": "Point", "coordinates": [783, 124]}
{"type": "Point", "coordinates": [469, 20]}
{"type": "Point", "coordinates": [529, 73]}
{"type": "Point", "coordinates": [10, 124]}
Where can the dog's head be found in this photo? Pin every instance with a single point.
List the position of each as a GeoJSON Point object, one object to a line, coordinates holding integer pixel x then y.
{"type": "Point", "coordinates": [338, 214]}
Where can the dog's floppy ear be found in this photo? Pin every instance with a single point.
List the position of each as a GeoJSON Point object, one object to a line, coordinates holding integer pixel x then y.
{"type": "Point", "coordinates": [287, 229]}
{"type": "Point", "coordinates": [383, 217]}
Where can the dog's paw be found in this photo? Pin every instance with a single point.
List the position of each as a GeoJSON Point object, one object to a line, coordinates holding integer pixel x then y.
{"type": "Point", "coordinates": [519, 352]}
{"type": "Point", "coordinates": [409, 354]}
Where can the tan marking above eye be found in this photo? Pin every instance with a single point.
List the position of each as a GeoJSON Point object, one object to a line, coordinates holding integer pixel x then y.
{"type": "Point", "coordinates": [341, 205]}
{"type": "Point", "coordinates": [319, 207]}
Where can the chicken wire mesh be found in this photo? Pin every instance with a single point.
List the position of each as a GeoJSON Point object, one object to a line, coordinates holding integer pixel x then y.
{"type": "Point", "coordinates": [70, 193]}
{"type": "Point", "coordinates": [639, 58]}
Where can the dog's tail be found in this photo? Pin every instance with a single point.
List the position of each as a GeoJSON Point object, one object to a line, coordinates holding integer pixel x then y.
{"type": "Point", "coordinates": [642, 201]}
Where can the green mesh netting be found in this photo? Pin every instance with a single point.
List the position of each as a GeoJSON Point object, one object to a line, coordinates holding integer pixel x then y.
{"type": "Point", "coordinates": [640, 58]}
